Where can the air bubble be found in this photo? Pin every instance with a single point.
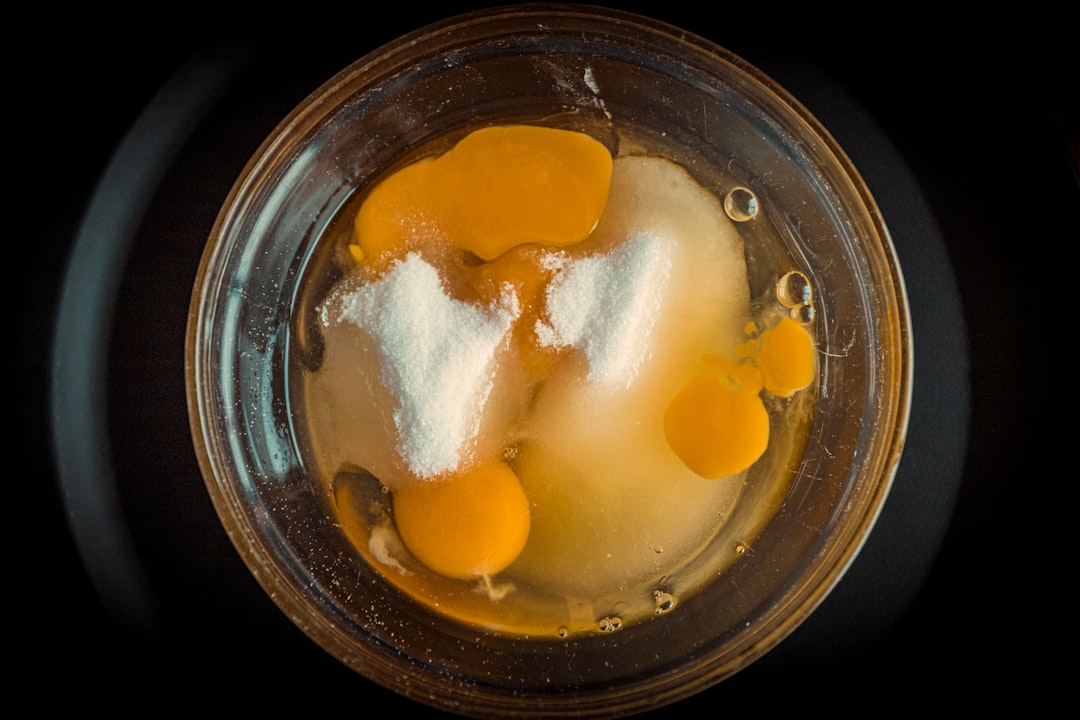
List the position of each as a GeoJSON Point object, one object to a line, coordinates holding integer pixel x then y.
{"type": "Point", "coordinates": [742, 549]}
{"type": "Point", "coordinates": [803, 314]}
{"type": "Point", "coordinates": [664, 601]}
{"type": "Point", "coordinates": [609, 624]}
{"type": "Point", "coordinates": [741, 204]}
{"type": "Point", "coordinates": [562, 632]}
{"type": "Point", "coordinates": [793, 290]}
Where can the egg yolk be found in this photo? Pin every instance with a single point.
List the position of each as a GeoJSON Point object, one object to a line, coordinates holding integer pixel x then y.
{"type": "Point", "coordinates": [470, 525]}
{"type": "Point", "coordinates": [787, 358]}
{"type": "Point", "coordinates": [717, 424]}
{"type": "Point", "coordinates": [499, 187]}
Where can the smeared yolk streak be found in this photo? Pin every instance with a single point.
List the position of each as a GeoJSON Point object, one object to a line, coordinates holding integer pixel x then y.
{"type": "Point", "coordinates": [499, 187]}
{"type": "Point", "coordinates": [717, 424]}
{"type": "Point", "coordinates": [470, 525]}
{"type": "Point", "coordinates": [522, 268]}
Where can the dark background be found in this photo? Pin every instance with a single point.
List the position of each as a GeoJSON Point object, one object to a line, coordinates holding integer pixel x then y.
{"type": "Point", "coordinates": [966, 130]}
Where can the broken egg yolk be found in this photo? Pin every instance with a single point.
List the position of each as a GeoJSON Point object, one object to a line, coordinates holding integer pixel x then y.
{"type": "Point", "coordinates": [470, 525]}
{"type": "Point", "coordinates": [499, 187]}
{"type": "Point", "coordinates": [717, 424]}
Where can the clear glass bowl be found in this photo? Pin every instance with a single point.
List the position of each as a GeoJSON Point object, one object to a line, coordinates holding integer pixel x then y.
{"type": "Point", "coordinates": [635, 84]}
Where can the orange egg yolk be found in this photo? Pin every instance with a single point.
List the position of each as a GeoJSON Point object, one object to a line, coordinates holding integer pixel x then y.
{"type": "Point", "coordinates": [499, 187]}
{"type": "Point", "coordinates": [717, 424]}
{"type": "Point", "coordinates": [787, 358]}
{"type": "Point", "coordinates": [470, 525]}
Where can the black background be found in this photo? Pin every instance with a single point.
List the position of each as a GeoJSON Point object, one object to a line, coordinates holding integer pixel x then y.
{"type": "Point", "coordinates": [982, 109]}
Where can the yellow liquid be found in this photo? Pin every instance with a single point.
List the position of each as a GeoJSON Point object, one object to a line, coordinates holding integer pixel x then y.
{"type": "Point", "coordinates": [618, 524]}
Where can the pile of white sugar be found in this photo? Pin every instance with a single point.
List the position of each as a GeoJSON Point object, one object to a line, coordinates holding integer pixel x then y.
{"type": "Point", "coordinates": [605, 306]}
{"type": "Point", "coordinates": [437, 357]}
{"type": "Point", "coordinates": [438, 354]}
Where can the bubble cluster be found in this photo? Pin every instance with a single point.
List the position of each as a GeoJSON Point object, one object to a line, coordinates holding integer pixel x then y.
{"type": "Point", "coordinates": [609, 624]}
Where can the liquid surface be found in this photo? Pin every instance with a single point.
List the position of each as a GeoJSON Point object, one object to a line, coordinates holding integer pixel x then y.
{"type": "Point", "coordinates": [542, 380]}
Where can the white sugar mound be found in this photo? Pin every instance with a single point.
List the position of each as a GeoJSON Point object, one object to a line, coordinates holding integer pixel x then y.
{"type": "Point", "coordinates": [436, 355]}
{"type": "Point", "coordinates": [606, 306]}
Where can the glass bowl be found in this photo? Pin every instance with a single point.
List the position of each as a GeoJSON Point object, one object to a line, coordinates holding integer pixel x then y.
{"type": "Point", "coordinates": [815, 248]}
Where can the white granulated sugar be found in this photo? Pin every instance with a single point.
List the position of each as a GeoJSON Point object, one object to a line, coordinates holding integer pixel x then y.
{"type": "Point", "coordinates": [605, 306]}
{"type": "Point", "coordinates": [437, 358]}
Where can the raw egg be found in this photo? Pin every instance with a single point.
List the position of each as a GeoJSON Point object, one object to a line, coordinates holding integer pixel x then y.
{"type": "Point", "coordinates": [472, 524]}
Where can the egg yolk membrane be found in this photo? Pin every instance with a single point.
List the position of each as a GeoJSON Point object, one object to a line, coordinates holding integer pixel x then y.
{"type": "Point", "coordinates": [509, 199]}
